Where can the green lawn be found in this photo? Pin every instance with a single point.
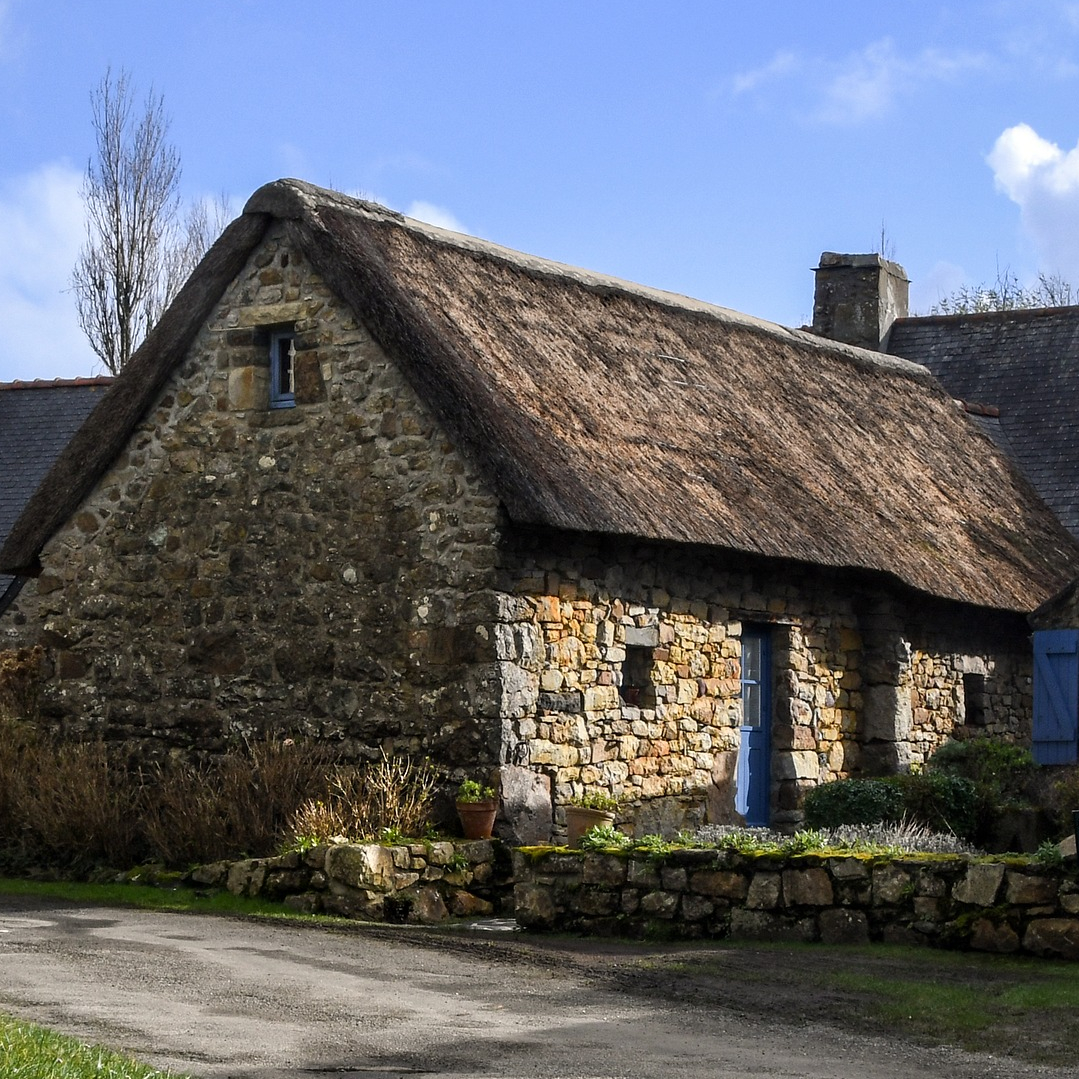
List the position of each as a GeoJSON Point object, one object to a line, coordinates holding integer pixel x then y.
{"type": "Point", "coordinates": [28, 1051]}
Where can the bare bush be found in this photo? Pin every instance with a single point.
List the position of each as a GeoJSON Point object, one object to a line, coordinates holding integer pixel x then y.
{"type": "Point", "coordinates": [392, 796]}
{"type": "Point", "coordinates": [20, 683]}
{"type": "Point", "coordinates": [77, 807]}
{"type": "Point", "coordinates": [238, 805]}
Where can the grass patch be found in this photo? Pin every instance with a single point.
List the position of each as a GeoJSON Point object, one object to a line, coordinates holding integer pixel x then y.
{"type": "Point", "coordinates": [151, 898]}
{"type": "Point", "coordinates": [1010, 1006]}
{"type": "Point", "coordinates": [32, 1052]}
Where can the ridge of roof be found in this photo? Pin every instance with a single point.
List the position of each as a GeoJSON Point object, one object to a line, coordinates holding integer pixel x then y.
{"type": "Point", "coordinates": [57, 383]}
{"type": "Point", "coordinates": [292, 199]}
{"type": "Point", "coordinates": [1027, 314]}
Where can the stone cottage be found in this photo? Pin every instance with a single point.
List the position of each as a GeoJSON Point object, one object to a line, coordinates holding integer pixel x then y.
{"type": "Point", "coordinates": [396, 487]}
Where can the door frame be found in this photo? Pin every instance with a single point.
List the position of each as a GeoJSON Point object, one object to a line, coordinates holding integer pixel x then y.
{"type": "Point", "coordinates": [753, 777]}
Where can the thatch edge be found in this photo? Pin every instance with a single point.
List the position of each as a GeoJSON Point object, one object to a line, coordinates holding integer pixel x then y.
{"type": "Point", "coordinates": [298, 200]}
{"type": "Point", "coordinates": [107, 429]}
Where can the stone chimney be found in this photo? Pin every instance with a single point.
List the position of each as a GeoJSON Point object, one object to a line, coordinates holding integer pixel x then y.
{"type": "Point", "coordinates": [858, 297]}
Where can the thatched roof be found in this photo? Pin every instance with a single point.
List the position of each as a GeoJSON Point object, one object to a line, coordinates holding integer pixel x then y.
{"type": "Point", "coordinates": [595, 405]}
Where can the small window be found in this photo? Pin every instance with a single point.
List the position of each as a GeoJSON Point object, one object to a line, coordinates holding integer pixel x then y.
{"type": "Point", "coordinates": [974, 700]}
{"type": "Point", "coordinates": [282, 370]}
{"type": "Point", "coordinates": [636, 688]}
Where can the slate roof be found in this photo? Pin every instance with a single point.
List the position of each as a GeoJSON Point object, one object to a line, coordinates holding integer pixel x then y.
{"type": "Point", "coordinates": [1024, 363]}
{"type": "Point", "coordinates": [596, 405]}
{"type": "Point", "coordinates": [37, 420]}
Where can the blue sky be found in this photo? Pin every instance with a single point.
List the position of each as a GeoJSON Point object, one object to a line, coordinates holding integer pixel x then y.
{"type": "Point", "coordinates": [707, 147]}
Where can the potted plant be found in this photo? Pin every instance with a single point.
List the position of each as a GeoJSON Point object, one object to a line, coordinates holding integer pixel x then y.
{"type": "Point", "coordinates": [588, 811]}
{"type": "Point", "coordinates": [477, 806]}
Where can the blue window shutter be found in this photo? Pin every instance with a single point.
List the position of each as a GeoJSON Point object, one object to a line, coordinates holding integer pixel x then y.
{"type": "Point", "coordinates": [1056, 696]}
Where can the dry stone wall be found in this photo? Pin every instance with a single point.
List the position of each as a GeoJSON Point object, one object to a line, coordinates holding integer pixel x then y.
{"type": "Point", "coordinates": [408, 882]}
{"type": "Point", "coordinates": [325, 568]}
{"type": "Point", "coordinates": [957, 902]}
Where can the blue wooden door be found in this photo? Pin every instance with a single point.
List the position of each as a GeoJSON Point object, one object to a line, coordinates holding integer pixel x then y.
{"type": "Point", "coordinates": [753, 779]}
{"type": "Point", "coordinates": [1056, 696]}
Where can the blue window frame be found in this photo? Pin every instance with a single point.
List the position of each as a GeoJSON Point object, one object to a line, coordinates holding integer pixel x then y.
{"type": "Point", "coordinates": [282, 370]}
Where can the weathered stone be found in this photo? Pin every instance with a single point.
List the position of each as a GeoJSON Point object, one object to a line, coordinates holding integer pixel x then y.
{"type": "Point", "coordinates": [595, 901]}
{"type": "Point", "coordinates": [246, 878]}
{"type": "Point", "coordinates": [806, 887]}
{"type": "Point", "coordinates": [891, 885]}
{"type": "Point", "coordinates": [284, 882]}
{"type": "Point", "coordinates": [606, 869]}
{"type": "Point", "coordinates": [467, 905]}
{"type": "Point", "coordinates": [848, 869]}
{"type": "Point", "coordinates": [441, 853]}
{"type": "Point", "coordinates": [426, 905]}
{"type": "Point", "coordinates": [989, 936]}
{"type": "Point", "coordinates": [1053, 937]}
{"type": "Point", "coordinates": [303, 903]}
{"type": "Point", "coordinates": [1028, 888]}
{"type": "Point", "coordinates": [367, 866]}
{"type": "Point", "coordinates": [673, 878]}
{"type": "Point", "coordinates": [642, 873]}
{"type": "Point", "coordinates": [525, 816]}
{"type": "Point", "coordinates": [762, 925]}
{"type": "Point", "coordinates": [213, 875]}
{"type": "Point", "coordinates": [695, 908]}
{"type": "Point", "coordinates": [840, 926]}
{"type": "Point", "coordinates": [659, 904]}
{"type": "Point", "coordinates": [534, 907]}
{"type": "Point", "coordinates": [764, 891]}
{"type": "Point", "coordinates": [980, 885]}
{"type": "Point", "coordinates": [726, 884]}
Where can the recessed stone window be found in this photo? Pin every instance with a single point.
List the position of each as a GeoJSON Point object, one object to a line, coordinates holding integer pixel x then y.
{"type": "Point", "coordinates": [282, 370]}
{"type": "Point", "coordinates": [974, 700]}
{"type": "Point", "coordinates": [637, 689]}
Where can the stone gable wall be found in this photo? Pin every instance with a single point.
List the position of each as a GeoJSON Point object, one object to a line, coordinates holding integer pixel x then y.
{"type": "Point", "coordinates": [324, 568]}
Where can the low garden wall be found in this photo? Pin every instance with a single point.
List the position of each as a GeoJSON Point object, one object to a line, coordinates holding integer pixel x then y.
{"type": "Point", "coordinates": [946, 901]}
{"type": "Point", "coordinates": [413, 882]}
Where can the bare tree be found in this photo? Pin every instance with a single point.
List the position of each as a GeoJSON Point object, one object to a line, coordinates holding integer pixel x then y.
{"type": "Point", "coordinates": [1007, 294]}
{"type": "Point", "coordinates": [126, 271]}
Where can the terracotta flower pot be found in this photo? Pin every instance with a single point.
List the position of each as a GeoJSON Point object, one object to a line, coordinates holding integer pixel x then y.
{"type": "Point", "coordinates": [580, 820]}
{"type": "Point", "coordinates": [477, 818]}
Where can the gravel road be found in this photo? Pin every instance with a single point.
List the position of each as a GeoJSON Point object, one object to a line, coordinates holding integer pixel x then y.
{"type": "Point", "coordinates": [216, 997]}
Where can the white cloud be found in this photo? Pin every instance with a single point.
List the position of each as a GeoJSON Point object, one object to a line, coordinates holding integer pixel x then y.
{"type": "Point", "coordinates": [1043, 181]}
{"type": "Point", "coordinates": [943, 279]}
{"type": "Point", "coordinates": [434, 215]}
{"type": "Point", "coordinates": [867, 84]}
{"type": "Point", "coordinates": [41, 225]}
{"type": "Point", "coordinates": [782, 64]}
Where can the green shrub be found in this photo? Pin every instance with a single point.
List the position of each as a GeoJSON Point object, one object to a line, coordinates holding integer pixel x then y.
{"type": "Point", "coordinates": [999, 770]}
{"type": "Point", "coordinates": [940, 801]}
{"type": "Point", "coordinates": [605, 837]}
{"type": "Point", "coordinates": [852, 801]}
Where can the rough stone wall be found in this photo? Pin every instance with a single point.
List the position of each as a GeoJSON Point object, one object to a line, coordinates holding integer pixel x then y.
{"type": "Point", "coordinates": [579, 604]}
{"type": "Point", "coordinates": [324, 568]}
{"type": "Point", "coordinates": [1002, 668]}
{"type": "Point", "coordinates": [849, 692]}
{"type": "Point", "coordinates": [956, 902]}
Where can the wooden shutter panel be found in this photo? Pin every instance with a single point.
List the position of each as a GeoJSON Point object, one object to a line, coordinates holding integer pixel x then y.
{"type": "Point", "coordinates": [1056, 695]}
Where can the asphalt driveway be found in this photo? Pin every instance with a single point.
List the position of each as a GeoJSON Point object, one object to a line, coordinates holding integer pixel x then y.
{"type": "Point", "coordinates": [217, 997]}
